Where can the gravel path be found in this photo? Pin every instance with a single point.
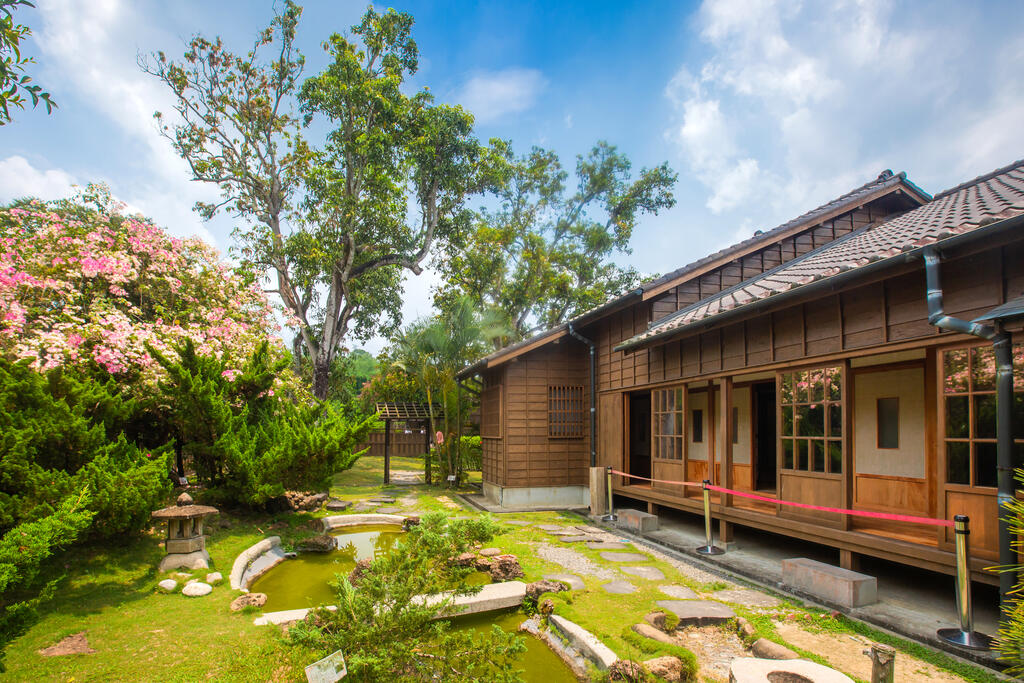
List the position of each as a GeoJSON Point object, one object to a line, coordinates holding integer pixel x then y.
{"type": "Point", "coordinates": [573, 561]}
{"type": "Point", "coordinates": [685, 568]}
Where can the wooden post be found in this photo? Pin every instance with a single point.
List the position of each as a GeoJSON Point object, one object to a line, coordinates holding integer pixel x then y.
{"type": "Point", "coordinates": [725, 423]}
{"type": "Point", "coordinates": [598, 491]}
{"type": "Point", "coordinates": [387, 451]}
{"type": "Point", "coordinates": [883, 663]}
{"type": "Point", "coordinates": [849, 560]}
{"type": "Point", "coordinates": [427, 428]}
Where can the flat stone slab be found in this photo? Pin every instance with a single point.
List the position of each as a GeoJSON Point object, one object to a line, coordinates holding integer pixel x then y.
{"type": "Point", "coordinates": [585, 642]}
{"type": "Point", "coordinates": [698, 612]}
{"type": "Point", "coordinates": [389, 510]}
{"type": "Point", "coordinates": [753, 670]}
{"type": "Point", "coordinates": [363, 507]}
{"type": "Point", "coordinates": [490, 552]}
{"type": "Point", "coordinates": [649, 573]}
{"type": "Point", "coordinates": [574, 539]}
{"type": "Point", "coordinates": [493, 596]}
{"type": "Point", "coordinates": [338, 521]}
{"type": "Point", "coordinates": [575, 582]}
{"type": "Point", "coordinates": [624, 557]}
{"type": "Point", "coordinates": [830, 583]}
{"type": "Point", "coordinates": [516, 522]}
{"type": "Point", "coordinates": [637, 520]}
{"type": "Point", "coordinates": [382, 499]}
{"type": "Point", "coordinates": [619, 587]}
{"type": "Point", "coordinates": [551, 527]}
{"type": "Point", "coordinates": [335, 505]}
{"type": "Point", "coordinates": [607, 545]}
{"type": "Point", "coordinates": [564, 532]}
{"type": "Point", "coordinates": [678, 592]}
{"type": "Point", "coordinates": [590, 529]}
{"type": "Point", "coordinates": [746, 597]}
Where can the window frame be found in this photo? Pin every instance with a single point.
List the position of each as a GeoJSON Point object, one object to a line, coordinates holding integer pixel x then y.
{"type": "Point", "coordinates": [566, 417]}
{"type": "Point", "coordinates": [801, 446]}
{"type": "Point", "coordinates": [878, 423]}
{"type": "Point", "coordinates": [673, 443]}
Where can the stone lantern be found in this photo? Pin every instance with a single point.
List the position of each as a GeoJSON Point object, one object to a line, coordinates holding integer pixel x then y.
{"type": "Point", "coordinates": [185, 544]}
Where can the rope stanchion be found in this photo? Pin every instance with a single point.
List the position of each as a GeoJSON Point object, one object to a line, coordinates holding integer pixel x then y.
{"type": "Point", "coordinates": [965, 636]}
{"type": "Point", "coordinates": [611, 516]}
{"type": "Point", "coordinates": [709, 548]}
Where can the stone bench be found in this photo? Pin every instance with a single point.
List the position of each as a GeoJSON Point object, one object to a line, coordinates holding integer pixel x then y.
{"type": "Point", "coordinates": [638, 521]}
{"type": "Point", "coordinates": [834, 585]}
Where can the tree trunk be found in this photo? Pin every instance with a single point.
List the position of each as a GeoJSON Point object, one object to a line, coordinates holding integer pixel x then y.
{"type": "Point", "coordinates": [297, 353]}
{"type": "Point", "coordinates": [321, 375]}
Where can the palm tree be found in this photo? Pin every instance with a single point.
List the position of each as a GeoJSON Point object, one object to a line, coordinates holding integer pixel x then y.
{"type": "Point", "coordinates": [434, 350]}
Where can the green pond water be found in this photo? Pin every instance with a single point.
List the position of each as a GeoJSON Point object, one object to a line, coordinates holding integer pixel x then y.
{"type": "Point", "coordinates": [305, 582]}
{"type": "Point", "coordinates": [538, 663]}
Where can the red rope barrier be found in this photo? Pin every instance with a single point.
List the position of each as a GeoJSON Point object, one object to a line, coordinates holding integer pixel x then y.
{"type": "Point", "coordinates": [843, 511]}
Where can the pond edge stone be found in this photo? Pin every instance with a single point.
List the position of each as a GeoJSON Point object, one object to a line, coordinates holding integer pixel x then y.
{"type": "Point", "coordinates": [247, 557]}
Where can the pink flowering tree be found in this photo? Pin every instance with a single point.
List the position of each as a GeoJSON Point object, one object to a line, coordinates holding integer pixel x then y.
{"type": "Point", "coordinates": [81, 283]}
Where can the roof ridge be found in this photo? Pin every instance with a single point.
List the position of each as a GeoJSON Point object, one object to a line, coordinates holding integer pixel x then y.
{"type": "Point", "coordinates": [980, 179]}
{"type": "Point", "coordinates": [885, 178]}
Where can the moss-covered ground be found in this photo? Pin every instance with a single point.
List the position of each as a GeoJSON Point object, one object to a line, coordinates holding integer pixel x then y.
{"type": "Point", "coordinates": [141, 634]}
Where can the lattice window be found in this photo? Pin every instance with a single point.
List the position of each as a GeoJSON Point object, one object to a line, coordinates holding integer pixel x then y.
{"type": "Point", "coordinates": [969, 408]}
{"type": "Point", "coordinates": [490, 412]}
{"type": "Point", "coordinates": [565, 412]}
{"type": "Point", "coordinates": [812, 420]}
{"type": "Point", "coordinates": [669, 406]}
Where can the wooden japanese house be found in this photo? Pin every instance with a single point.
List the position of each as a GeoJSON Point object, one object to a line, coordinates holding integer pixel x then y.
{"type": "Point", "coordinates": [799, 364]}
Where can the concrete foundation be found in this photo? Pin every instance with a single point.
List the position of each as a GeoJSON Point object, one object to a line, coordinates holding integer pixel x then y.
{"type": "Point", "coordinates": [540, 497]}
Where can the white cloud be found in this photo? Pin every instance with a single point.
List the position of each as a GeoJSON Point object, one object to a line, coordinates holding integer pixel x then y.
{"type": "Point", "coordinates": [491, 95]}
{"type": "Point", "coordinates": [19, 178]}
{"type": "Point", "coordinates": [791, 104]}
{"type": "Point", "coordinates": [87, 53]}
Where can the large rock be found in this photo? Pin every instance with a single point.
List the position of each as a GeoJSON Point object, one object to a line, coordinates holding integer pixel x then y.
{"type": "Point", "coordinates": [321, 543]}
{"type": "Point", "coordinates": [537, 588]}
{"type": "Point", "coordinates": [196, 589]}
{"type": "Point", "coordinates": [657, 620]}
{"type": "Point", "coordinates": [505, 568]}
{"type": "Point", "coordinates": [626, 670]}
{"type": "Point", "coordinates": [167, 585]}
{"type": "Point", "coordinates": [360, 570]}
{"type": "Point", "coordinates": [465, 560]}
{"type": "Point", "coordinates": [248, 600]}
{"type": "Point", "coordinates": [301, 500]}
{"type": "Point", "coordinates": [410, 521]}
{"type": "Point", "coordinates": [335, 505]}
{"type": "Point", "coordinates": [766, 649]}
{"type": "Point", "coordinates": [667, 668]}
{"type": "Point", "coordinates": [698, 612]}
{"type": "Point", "coordinates": [490, 552]}
{"type": "Point", "coordinates": [648, 631]}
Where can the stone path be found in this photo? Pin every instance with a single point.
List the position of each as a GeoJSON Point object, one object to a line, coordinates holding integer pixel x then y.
{"type": "Point", "coordinates": [551, 527]}
{"type": "Point", "coordinates": [575, 562]}
{"type": "Point", "coordinates": [649, 573]}
{"type": "Point", "coordinates": [574, 539]}
{"type": "Point", "coordinates": [698, 612]}
{"type": "Point", "coordinates": [619, 587]}
{"type": "Point", "coordinates": [607, 545]}
{"type": "Point", "coordinates": [624, 557]}
{"type": "Point", "coordinates": [575, 582]}
{"type": "Point", "coordinates": [746, 597]}
{"type": "Point", "coordinates": [678, 592]}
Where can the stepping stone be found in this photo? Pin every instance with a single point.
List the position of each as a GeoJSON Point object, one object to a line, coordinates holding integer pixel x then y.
{"type": "Point", "coordinates": [624, 557]}
{"type": "Point", "coordinates": [565, 532]}
{"type": "Point", "coordinates": [197, 589]}
{"type": "Point", "coordinates": [490, 552]}
{"type": "Point", "coordinates": [517, 522]}
{"type": "Point", "coordinates": [649, 573]}
{"type": "Point", "coordinates": [607, 545]}
{"type": "Point", "coordinates": [551, 527]}
{"type": "Point", "coordinates": [573, 539]}
{"type": "Point", "coordinates": [213, 578]}
{"type": "Point", "coordinates": [168, 585]}
{"type": "Point", "coordinates": [590, 529]}
{"type": "Point", "coordinates": [382, 499]}
{"type": "Point", "coordinates": [363, 507]}
{"type": "Point", "coordinates": [619, 587]}
{"type": "Point", "coordinates": [335, 505]}
{"type": "Point", "coordinates": [678, 592]}
{"type": "Point", "coordinates": [388, 510]}
{"type": "Point", "coordinates": [698, 612]}
{"type": "Point", "coordinates": [575, 582]}
{"type": "Point", "coordinates": [746, 597]}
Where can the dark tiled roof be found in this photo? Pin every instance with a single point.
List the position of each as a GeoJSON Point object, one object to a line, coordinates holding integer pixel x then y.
{"type": "Point", "coordinates": [961, 209]}
{"type": "Point", "coordinates": [885, 180]}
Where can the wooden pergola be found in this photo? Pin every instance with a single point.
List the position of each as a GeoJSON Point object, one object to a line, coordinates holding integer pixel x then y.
{"type": "Point", "coordinates": [407, 412]}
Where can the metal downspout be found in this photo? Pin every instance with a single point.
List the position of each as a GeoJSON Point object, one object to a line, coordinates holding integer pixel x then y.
{"type": "Point", "coordinates": [1003, 347]}
{"type": "Point", "coordinates": [593, 394]}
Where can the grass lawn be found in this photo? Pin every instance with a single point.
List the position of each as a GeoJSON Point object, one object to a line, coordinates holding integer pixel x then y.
{"type": "Point", "coordinates": [141, 634]}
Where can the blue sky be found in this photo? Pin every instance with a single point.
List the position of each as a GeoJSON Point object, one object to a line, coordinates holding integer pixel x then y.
{"type": "Point", "coordinates": [766, 109]}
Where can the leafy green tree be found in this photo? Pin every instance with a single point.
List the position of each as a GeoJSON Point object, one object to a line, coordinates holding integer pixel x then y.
{"type": "Point", "coordinates": [247, 444]}
{"type": "Point", "coordinates": [544, 254]}
{"type": "Point", "coordinates": [14, 82]}
{"type": "Point", "coordinates": [331, 223]}
{"type": "Point", "coordinates": [23, 550]}
{"type": "Point", "coordinates": [387, 634]}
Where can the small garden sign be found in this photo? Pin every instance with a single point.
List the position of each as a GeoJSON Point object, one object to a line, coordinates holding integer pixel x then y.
{"type": "Point", "coordinates": [328, 670]}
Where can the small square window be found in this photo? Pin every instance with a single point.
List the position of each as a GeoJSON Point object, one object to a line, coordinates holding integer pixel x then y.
{"type": "Point", "coordinates": [888, 411]}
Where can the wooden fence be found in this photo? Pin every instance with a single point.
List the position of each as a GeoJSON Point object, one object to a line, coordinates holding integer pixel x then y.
{"type": "Point", "coordinates": [412, 445]}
